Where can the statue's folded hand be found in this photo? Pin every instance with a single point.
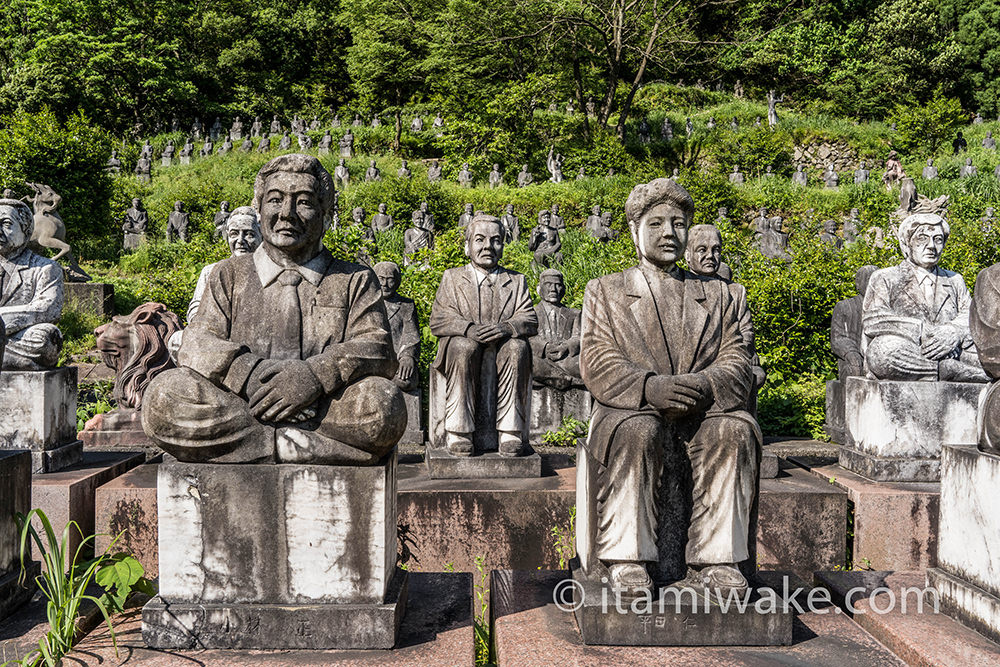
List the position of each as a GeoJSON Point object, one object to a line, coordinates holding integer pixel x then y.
{"type": "Point", "coordinates": [286, 389]}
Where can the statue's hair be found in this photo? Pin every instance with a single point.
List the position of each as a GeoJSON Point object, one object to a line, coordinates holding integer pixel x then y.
{"type": "Point", "coordinates": [544, 211]}
{"type": "Point", "coordinates": [23, 215]}
{"type": "Point", "coordinates": [699, 229]}
{"type": "Point", "coordinates": [144, 333]}
{"type": "Point", "coordinates": [479, 218]}
{"type": "Point", "coordinates": [388, 266]}
{"type": "Point", "coordinates": [550, 273]}
{"type": "Point", "coordinates": [659, 191]}
{"type": "Point", "coordinates": [299, 164]}
{"type": "Point", "coordinates": [910, 224]}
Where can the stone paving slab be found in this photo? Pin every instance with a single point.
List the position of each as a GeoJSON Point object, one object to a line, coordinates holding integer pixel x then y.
{"type": "Point", "coordinates": [529, 630]}
{"type": "Point", "coordinates": [926, 639]}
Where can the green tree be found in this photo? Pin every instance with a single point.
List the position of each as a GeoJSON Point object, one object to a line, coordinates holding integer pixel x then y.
{"type": "Point", "coordinates": [925, 127]}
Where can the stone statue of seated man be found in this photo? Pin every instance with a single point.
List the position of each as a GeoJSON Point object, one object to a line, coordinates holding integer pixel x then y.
{"type": "Point", "coordinates": [402, 313]}
{"type": "Point", "coordinates": [671, 376]}
{"type": "Point", "coordinates": [555, 351]}
{"type": "Point", "coordinates": [916, 314]}
{"type": "Point", "coordinates": [31, 294]}
{"type": "Point", "coordinates": [290, 357]}
{"type": "Point", "coordinates": [478, 306]}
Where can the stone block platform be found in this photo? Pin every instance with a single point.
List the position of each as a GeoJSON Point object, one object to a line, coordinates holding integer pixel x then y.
{"type": "Point", "coordinates": [895, 523]}
{"type": "Point", "coordinates": [119, 430]}
{"type": "Point", "coordinates": [896, 429]}
{"type": "Point", "coordinates": [529, 630]}
{"type": "Point", "coordinates": [69, 495]}
{"type": "Point", "coordinates": [95, 298]}
{"type": "Point", "coordinates": [38, 413]}
{"type": "Point", "coordinates": [437, 631]}
{"type": "Point", "coordinates": [441, 464]}
{"type": "Point", "coordinates": [15, 498]}
{"type": "Point", "coordinates": [127, 504]}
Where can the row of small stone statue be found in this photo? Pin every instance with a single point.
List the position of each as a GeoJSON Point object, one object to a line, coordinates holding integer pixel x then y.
{"type": "Point", "coordinates": [298, 125]}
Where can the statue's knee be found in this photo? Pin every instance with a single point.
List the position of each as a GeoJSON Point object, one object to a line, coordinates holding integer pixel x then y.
{"type": "Point", "coordinates": [641, 431]}
{"type": "Point", "coordinates": [514, 348]}
{"type": "Point", "coordinates": [463, 348]}
{"type": "Point", "coordinates": [382, 399]}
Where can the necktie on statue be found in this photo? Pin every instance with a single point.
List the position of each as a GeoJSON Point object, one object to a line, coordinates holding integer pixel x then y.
{"type": "Point", "coordinates": [287, 343]}
{"type": "Point", "coordinates": [487, 301]}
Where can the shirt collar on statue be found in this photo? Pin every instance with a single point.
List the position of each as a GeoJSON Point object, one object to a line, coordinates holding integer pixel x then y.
{"type": "Point", "coordinates": [268, 271]}
{"type": "Point", "coordinates": [478, 275]}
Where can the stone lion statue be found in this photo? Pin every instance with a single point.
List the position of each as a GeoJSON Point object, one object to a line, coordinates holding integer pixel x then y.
{"type": "Point", "coordinates": [135, 347]}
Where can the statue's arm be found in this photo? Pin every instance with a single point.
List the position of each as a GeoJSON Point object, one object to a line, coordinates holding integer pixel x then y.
{"type": "Point", "coordinates": [367, 347]}
{"type": "Point", "coordinates": [730, 373]}
{"type": "Point", "coordinates": [524, 321]}
{"type": "Point", "coordinates": [610, 376]}
{"type": "Point", "coordinates": [410, 338]}
{"type": "Point", "coordinates": [984, 321]}
{"type": "Point", "coordinates": [573, 342]}
{"type": "Point", "coordinates": [878, 317]}
{"type": "Point", "coordinates": [446, 319]}
{"type": "Point", "coordinates": [45, 305]}
{"type": "Point", "coordinates": [961, 321]}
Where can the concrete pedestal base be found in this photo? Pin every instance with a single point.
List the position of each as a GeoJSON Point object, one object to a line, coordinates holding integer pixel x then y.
{"type": "Point", "coordinates": [676, 617]}
{"type": "Point", "coordinates": [282, 544]}
{"type": "Point", "coordinates": [414, 434]}
{"type": "Point", "coordinates": [836, 419]}
{"type": "Point", "coordinates": [38, 413]}
{"type": "Point", "coordinates": [897, 428]}
{"type": "Point", "coordinates": [549, 406]}
{"type": "Point", "coordinates": [15, 498]}
{"type": "Point", "coordinates": [126, 506]}
{"type": "Point", "coordinates": [195, 625]}
{"type": "Point", "coordinates": [441, 464]}
{"type": "Point", "coordinates": [94, 298]}
{"type": "Point", "coordinates": [968, 577]}
{"type": "Point", "coordinates": [118, 431]}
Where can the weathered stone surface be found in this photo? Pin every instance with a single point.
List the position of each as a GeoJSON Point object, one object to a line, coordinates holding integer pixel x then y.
{"type": "Point", "coordinates": [768, 465]}
{"type": "Point", "coordinates": [969, 538]}
{"type": "Point", "coordinates": [119, 430]}
{"type": "Point", "coordinates": [442, 464]}
{"type": "Point", "coordinates": [38, 413]}
{"type": "Point", "coordinates": [15, 497]}
{"type": "Point", "coordinates": [437, 631]}
{"type": "Point", "coordinates": [68, 495]}
{"type": "Point", "coordinates": [897, 428]}
{"type": "Point", "coordinates": [414, 433]}
{"type": "Point", "coordinates": [220, 544]}
{"type": "Point", "coordinates": [530, 631]}
{"type": "Point", "coordinates": [836, 419]}
{"type": "Point", "coordinates": [97, 298]}
{"type": "Point", "coordinates": [895, 523]}
{"type": "Point", "coordinates": [195, 625]}
{"type": "Point", "coordinates": [686, 619]}
{"type": "Point", "coordinates": [549, 406]}
{"type": "Point", "coordinates": [908, 623]}
{"type": "Point", "coordinates": [126, 506]}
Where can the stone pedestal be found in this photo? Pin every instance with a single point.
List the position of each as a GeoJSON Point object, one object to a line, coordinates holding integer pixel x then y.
{"type": "Point", "coordinates": [38, 413]}
{"type": "Point", "coordinates": [968, 572]}
{"type": "Point", "coordinates": [896, 429]}
{"type": "Point", "coordinates": [119, 430]}
{"type": "Point", "coordinates": [276, 556]}
{"type": "Point", "coordinates": [836, 419]}
{"type": "Point", "coordinates": [549, 406]}
{"type": "Point", "coordinates": [15, 497]}
{"type": "Point", "coordinates": [126, 506]}
{"type": "Point", "coordinates": [414, 434]}
{"type": "Point", "coordinates": [441, 464]}
{"type": "Point", "coordinates": [96, 298]}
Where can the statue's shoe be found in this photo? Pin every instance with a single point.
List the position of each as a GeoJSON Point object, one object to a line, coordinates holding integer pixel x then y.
{"type": "Point", "coordinates": [511, 444]}
{"type": "Point", "coordinates": [460, 444]}
{"type": "Point", "coordinates": [631, 578]}
{"type": "Point", "coordinates": [724, 578]}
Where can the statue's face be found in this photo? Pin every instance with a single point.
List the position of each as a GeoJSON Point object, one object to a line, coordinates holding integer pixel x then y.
{"type": "Point", "coordinates": [388, 280]}
{"type": "Point", "coordinates": [485, 245]}
{"type": "Point", "coordinates": [381, 208]}
{"type": "Point", "coordinates": [468, 208]}
{"type": "Point", "coordinates": [358, 215]}
{"type": "Point", "coordinates": [925, 246]}
{"type": "Point", "coordinates": [830, 227]}
{"type": "Point", "coordinates": [545, 218]}
{"type": "Point", "coordinates": [552, 290]}
{"type": "Point", "coordinates": [660, 235]}
{"type": "Point", "coordinates": [930, 162]}
{"type": "Point", "coordinates": [224, 206]}
{"type": "Point", "coordinates": [12, 236]}
{"type": "Point", "coordinates": [291, 215]}
{"type": "Point", "coordinates": [704, 254]}
{"type": "Point", "coordinates": [596, 210]}
{"type": "Point", "coordinates": [136, 204]}
{"type": "Point", "coordinates": [242, 235]}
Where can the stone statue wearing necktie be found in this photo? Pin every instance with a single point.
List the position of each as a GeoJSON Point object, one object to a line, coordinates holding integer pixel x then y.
{"type": "Point", "coordinates": [916, 315]}
{"type": "Point", "coordinates": [290, 358]}
{"type": "Point", "coordinates": [483, 306]}
{"type": "Point", "coordinates": [556, 348]}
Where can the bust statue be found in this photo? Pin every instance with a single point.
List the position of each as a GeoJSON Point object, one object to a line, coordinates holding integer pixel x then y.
{"type": "Point", "coordinates": [495, 177]}
{"type": "Point", "coordinates": [930, 172]}
{"type": "Point", "coordinates": [846, 330]}
{"type": "Point", "coordinates": [711, 123]}
{"type": "Point", "coordinates": [799, 177]}
{"type": "Point", "coordinates": [221, 216]}
{"type": "Point", "coordinates": [830, 177]}
{"type": "Point", "coordinates": [555, 220]}
{"type": "Point", "coordinates": [342, 174]}
{"type": "Point", "coordinates": [466, 216]}
{"type": "Point", "coordinates": [264, 146]}
{"type": "Point", "coordinates": [114, 164]}
{"type": "Point", "coordinates": [376, 121]}
{"type": "Point", "coordinates": [599, 226]}
{"type": "Point", "coordinates": [263, 379]}
{"type": "Point", "coordinates": [402, 314]}
{"type": "Point", "coordinates": [511, 225]}
{"type": "Point", "coordinates": [989, 143]}
{"type": "Point", "coordinates": [177, 223]}
{"type": "Point", "coordinates": [31, 301]}
{"type": "Point", "coordinates": [968, 169]}
{"type": "Point", "coordinates": [465, 176]}
{"type": "Point", "coordinates": [828, 234]}
{"type": "Point", "coordinates": [381, 221]}
{"type": "Point", "coordinates": [417, 124]}
{"type": "Point", "coordinates": [667, 381]}
{"type": "Point", "coordinates": [434, 171]}
{"type": "Point", "coordinates": [483, 305]}
{"type": "Point", "coordinates": [772, 242]}
{"type": "Point", "coordinates": [916, 314]}
{"type": "Point", "coordinates": [417, 237]}
{"type": "Point", "coordinates": [357, 122]}
{"type": "Point", "coordinates": [582, 174]}
{"type": "Point", "coordinates": [438, 120]}
{"type": "Point", "coordinates": [524, 177]}
{"type": "Point", "coordinates": [346, 144]}
{"type": "Point", "coordinates": [736, 178]}
{"type": "Point", "coordinates": [372, 173]}
{"type": "Point", "coordinates": [545, 242]}
{"type": "Point", "coordinates": [861, 174]}
{"type": "Point", "coordinates": [135, 222]}
{"type": "Point", "coordinates": [555, 350]}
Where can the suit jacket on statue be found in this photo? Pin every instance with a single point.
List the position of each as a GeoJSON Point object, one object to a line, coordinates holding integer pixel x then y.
{"type": "Point", "coordinates": [456, 306]}
{"type": "Point", "coordinates": [402, 314]}
{"type": "Point", "coordinates": [345, 331]}
{"type": "Point", "coordinates": [32, 291]}
{"type": "Point", "coordinates": [566, 329]}
{"type": "Point", "coordinates": [624, 343]}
